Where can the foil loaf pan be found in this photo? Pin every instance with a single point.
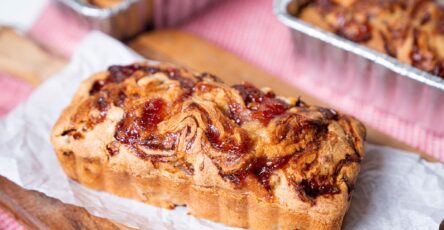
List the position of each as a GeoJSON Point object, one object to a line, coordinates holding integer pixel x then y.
{"type": "Point", "coordinates": [121, 21]}
{"type": "Point", "coordinates": [130, 17]}
{"type": "Point", "coordinates": [366, 75]}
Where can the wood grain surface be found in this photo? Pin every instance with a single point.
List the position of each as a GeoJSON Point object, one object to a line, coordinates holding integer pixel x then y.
{"type": "Point", "coordinates": [23, 58]}
{"type": "Point", "coordinates": [37, 211]}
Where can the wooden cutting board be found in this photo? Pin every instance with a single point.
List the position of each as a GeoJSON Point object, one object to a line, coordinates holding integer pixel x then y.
{"type": "Point", "coordinates": [37, 211]}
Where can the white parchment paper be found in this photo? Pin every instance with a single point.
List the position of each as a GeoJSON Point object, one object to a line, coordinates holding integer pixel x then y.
{"type": "Point", "coordinates": [395, 190]}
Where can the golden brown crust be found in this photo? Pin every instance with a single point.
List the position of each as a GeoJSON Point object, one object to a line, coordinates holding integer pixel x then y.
{"type": "Point", "coordinates": [409, 30]}
{"type": "Point", "coordinates": [239, 144]}
{"type": "Point", "coordinates": [226, 206]}
{"type": "Point", "coordinates": [104, 3]}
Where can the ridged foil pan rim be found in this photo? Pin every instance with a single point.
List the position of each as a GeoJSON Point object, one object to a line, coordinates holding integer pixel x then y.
{"type": "Point", "coordinates": [405, 70]}
{"type": "Point", "coordinates": [96, 12]}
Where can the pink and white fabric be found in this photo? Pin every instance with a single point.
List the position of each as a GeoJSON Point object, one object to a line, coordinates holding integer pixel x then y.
{"type": "Point", "coordinates": [247, 28]}
{"type": "Point", "coordinates": [12, 92]}
{"type": "Point", "coordinates": [9, 223]}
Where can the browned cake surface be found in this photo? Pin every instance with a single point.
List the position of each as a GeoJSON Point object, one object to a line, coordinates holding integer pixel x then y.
{"type": "Point", "coordinates": [168, 136]}
{"type": "Point", "coordinates": [104, 3]}
{"type": "Point", "coordinates": [409, 30]}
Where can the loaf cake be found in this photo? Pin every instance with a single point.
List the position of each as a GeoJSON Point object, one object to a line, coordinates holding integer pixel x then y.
{"type": "Point", "coordinates": [410, 30]}
{"type": "Point", "coordinates": [238, 154]}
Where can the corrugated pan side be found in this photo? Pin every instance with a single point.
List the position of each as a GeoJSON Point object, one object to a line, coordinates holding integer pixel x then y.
{"type": "Point", "coordinates": [368, 76]}
{"type": "Point", "coordinates": [121, 21]}
{"type": "Point", "coordinates": [131, 17]}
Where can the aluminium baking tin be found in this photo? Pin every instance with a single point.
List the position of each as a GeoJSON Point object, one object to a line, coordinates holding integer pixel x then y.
{"type": "Point", "coordinates": [131, 17]}
{"type": "Point", "coordinates": [121, 21]}
{"type": "Point", "coordinates": [367, 75]}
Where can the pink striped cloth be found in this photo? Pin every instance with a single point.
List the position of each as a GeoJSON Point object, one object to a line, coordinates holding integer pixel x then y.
{"type": "Point", "coordinates": [57, 32]}
{"type": "Point", "coordinates": [9, 223]}
{"type": "Point", "coordinates": [249, 29]}
{"type": "Point", "coordinates": [13, 91]}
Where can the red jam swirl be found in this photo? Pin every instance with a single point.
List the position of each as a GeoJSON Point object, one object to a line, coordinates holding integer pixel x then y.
{"type": "Point", "coordinates": [263, 168]}
{"type": "Point", "coordinates": [112, 148]}
{"type": "Point", "coordinates": [439, 27]}
{"type": "Point", "coordinates": [263, 106]}
{"type": "Point", "coordinates": [388, 46]}
{"type": "Point", "coordinates": [118, 73]}
{"type": "Point", "coordinates": [73, 133]}
{"type": "Point", "coordinates": [353, 30]}
{"type": "Point", "coordinates": [102, 105]}
{"type": "Point", "coordinates": [187, 84]}
{"type": "Point", "coordinates": [260, 168]}
{"type": "Point", "coordinates": [139, 126]}
{"type": "Point", "coordinates": [228, 144]}
{"type": "Point", "coordinates": [311, 188]}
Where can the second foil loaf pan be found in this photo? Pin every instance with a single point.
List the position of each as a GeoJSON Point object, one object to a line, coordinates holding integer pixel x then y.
{"type": "Point", "coordinates": [126, 18]}
{"type": "Point", "coordinates": [365, 75]}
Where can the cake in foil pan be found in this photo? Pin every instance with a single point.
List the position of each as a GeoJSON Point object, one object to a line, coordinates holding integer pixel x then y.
{"type": "Point", "coordinates": [411, 31]}
{"type": "Point", "coordinates": [123, 19]}
{"type": "Point", "coordinates": [385, 54]}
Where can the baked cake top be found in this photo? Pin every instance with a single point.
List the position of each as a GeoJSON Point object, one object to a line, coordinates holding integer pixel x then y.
{"type": "Point", "coordinates": [149, 119]}
{"type": "Point", "coordinates": [409, 30]}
